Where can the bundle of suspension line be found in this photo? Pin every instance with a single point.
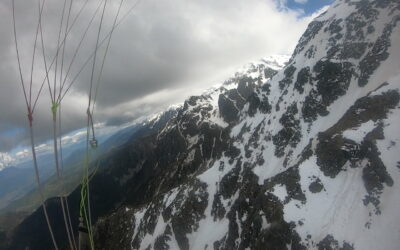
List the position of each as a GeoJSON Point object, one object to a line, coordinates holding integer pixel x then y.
{"type": "Point", "coordinates": [60, 78]}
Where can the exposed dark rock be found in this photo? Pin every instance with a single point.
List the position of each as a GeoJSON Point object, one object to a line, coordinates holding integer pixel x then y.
{"type": "Point", "coordinates": [303, 77]}
{"type": "Point", "coordinates": [367, 108]}
{"type": "Point", "coordinates": [331, 157]}
{"type": "Point", "coordinates": [252, 209]}
{"type": "Point", "coordinates": [316, 186]}
{"type": "Point", "coordinates": [335, 26]}
{"type": "Point", "coordinates": [254, 104]}
{"type": "Point", "coordinates": [291, 180]}
{"type": "Point", "coordinates": [265, 107]}
{"type": "Point", "coordinates": [255, 137]}
{"type": "Point", "coordinates": [266, 88]}
{"type": "Point", "coordinates": [114, 231]}
{"type": "Point", "coordinates": [189, 214]}
{"type": "Point", "coordinates": [288, 79]}
{"type": "Point", "coordinates": [353, 50]}
{"type": "Point", "coordinates": [269, 73]}
{"type": "Point", "coordinates": [290, 134]}
{"type": "Point", "coordinates": [227, 109]}
{"type": "Point", "coordinates": [246, 87]}
{"type": "Point", "coordinates": [379, 53]}
{"type": "Point", "coordinates": [375, 173]}
{"type": "Point", "coordinates": [312, 30]}
{"type": "Point", "coordinates": [310, 52]}
{"type": "Point", "coordinates": [232, 152]}
{"type": "Point", "coordinates": [330, 243]}
{"type": "Point", "coordinates": [161, 242]}
{"type": "Point", "coordinates": [313, 107]}
{"type": "Point", "coordinates": [192, 100]}
{"type": "Point", "coordinates": [218, 210]}
{"type": "Point", "coordinates": [229, 183]}
{"type": "Point", "coordinates": [332, 79]}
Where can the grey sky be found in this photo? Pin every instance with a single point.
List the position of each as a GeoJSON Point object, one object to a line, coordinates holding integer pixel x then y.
{"type": "Point", "coordinates": [163, 52]}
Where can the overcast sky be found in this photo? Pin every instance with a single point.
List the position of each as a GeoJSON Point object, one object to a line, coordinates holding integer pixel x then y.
{"type": "Point", "coordinates": [161, 53]}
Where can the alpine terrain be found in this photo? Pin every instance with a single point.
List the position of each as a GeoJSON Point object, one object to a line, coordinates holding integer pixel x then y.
{"type": "Point", "coordinates": [299, 152]}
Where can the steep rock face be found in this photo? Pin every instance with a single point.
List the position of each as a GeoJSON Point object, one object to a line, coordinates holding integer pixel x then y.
{"type": "Point", "coordinates": [198, 135]}
{"type": "Point", "coordinates": [306, 160]}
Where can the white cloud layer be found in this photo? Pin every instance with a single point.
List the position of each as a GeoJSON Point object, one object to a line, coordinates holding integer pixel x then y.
{"type": "Point", "coordinates": [163, 52]}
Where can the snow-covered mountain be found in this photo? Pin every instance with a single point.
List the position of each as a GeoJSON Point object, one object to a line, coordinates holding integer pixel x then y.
{"type": "Point", "coordinates": [303, 157]}
{"type": "Point", "coordinates": [308, 159]}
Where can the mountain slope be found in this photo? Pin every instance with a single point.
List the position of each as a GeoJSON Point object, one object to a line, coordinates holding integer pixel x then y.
{"type": "Point", "coordinates": [310, 159]}
{"type": "Point", "coordinates": [116, 171]}
{"type": "Point", "coordinates": [153, 161]}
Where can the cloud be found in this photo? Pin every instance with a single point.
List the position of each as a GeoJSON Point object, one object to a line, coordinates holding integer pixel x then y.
{"type": "Point", "coordinates": [301, 1]}
{"type": "Point", "coordinates": [5, 160]}
{"type": "Point", "coordinates": [163, 52]}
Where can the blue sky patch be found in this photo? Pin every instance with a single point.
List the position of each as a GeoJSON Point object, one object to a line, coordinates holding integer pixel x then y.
{"type": "Point", "coordinates": [308, 6]}
{"type": "Point", "coordinates": [12, 132]}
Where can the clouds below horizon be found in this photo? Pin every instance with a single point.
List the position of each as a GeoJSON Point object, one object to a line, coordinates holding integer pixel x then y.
{"type": "Point", "coordinates": [162, 53]}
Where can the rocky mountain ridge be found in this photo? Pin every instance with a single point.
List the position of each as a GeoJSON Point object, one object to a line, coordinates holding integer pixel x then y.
{"type": "Point", "coordinates": [308, 160]}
